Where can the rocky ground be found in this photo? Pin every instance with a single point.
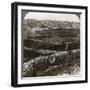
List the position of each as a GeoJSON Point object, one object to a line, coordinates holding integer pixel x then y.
{"type": "Point", "coordinates": [58, 63]}
{"type": "Point", "coordinates": [50, 50]}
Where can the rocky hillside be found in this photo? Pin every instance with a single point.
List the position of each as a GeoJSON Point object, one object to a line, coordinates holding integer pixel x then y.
{"type": "Point", "coordinates": [50, 48]}
{"type": "Point", "coordinates": [59, 63]}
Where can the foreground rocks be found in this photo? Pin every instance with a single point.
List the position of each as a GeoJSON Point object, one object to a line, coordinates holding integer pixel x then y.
{"type": "Point", "coordinates": [59, 63]}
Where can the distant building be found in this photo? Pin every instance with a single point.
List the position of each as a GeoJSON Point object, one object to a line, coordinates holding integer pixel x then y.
{"type": "Point", "coordinates": [76, 25]}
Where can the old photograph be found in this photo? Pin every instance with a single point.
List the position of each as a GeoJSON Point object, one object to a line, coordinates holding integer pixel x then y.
{"type": "Point", "coordinates": [50, 44]}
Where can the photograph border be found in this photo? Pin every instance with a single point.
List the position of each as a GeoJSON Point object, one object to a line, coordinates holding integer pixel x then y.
{"type": "Point", "coordinates": [14, 43]}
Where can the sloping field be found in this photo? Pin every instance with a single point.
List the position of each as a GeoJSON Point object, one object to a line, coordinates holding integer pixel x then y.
{"type": "Point", "coordinates": [59, 63]}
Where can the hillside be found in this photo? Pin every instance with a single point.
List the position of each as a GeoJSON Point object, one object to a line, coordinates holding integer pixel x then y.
{"type": "Point", "coordinates": [50, 48]}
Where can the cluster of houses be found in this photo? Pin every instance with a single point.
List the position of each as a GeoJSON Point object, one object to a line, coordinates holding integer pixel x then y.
{"type": "Point", "coordinates": [48, 24]}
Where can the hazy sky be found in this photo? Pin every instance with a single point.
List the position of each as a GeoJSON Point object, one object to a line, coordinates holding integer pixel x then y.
{"type": "Point", "coordinates": [52, 16]}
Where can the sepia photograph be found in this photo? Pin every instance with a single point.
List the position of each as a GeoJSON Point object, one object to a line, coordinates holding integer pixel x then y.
{"type": "Point", "coordinates": [51, 44]}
